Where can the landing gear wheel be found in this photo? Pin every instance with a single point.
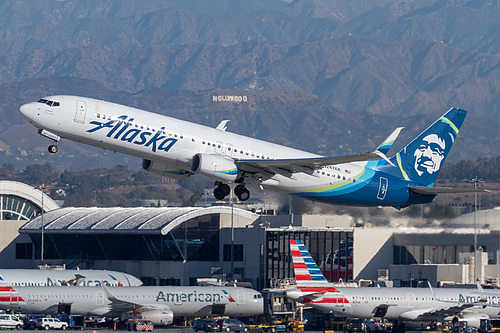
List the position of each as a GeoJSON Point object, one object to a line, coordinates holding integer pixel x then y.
{"type": "Point", "coordinates": [224, 189]}
{"type": "Point", "coordinates": [242, 193]}
{"type": "Point", "coordinates": [53, 149]}
{"type": "Point", "coordinates": [218, 195]}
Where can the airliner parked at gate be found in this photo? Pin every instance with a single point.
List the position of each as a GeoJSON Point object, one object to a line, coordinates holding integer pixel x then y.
{"type": "Point", "coordinates": [174, 148]}
{"type": "Point", "coordinates": [66, 277]}
{"type": "Point", "coordinates": [417, 307]}
{"type": "Point", "coordinates": [158, 304]}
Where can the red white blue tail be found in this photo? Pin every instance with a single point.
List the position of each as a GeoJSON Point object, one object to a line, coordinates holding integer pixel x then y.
{"type": "Point", "coordinates": [307, 274]}
{"type": "Point", "coordinates": [312, 287]}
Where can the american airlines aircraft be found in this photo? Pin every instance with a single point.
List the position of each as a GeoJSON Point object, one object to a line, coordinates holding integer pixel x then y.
{"type": "Point", "coordinates": [49, 277]}
{"type": "Point", "coordinates": [414, 306]}
{"type": "Point", "coordinates": [158, 304]}
{"type": "Point", "coordinates": [178, 149]}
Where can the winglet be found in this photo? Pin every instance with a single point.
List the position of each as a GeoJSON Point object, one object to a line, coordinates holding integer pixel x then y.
{"type": "Point", "coordinates": [386, 145]}
{"type": "Point", "coordinates": [110, 296]}
{"type": "Point", "coordinates": [222, 126]}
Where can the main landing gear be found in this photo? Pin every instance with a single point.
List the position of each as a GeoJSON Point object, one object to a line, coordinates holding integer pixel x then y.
{"type": "Point", "coordinates": [222, 190]}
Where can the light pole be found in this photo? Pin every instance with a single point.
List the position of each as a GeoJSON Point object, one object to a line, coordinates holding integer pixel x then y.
{"type": "Point", "coordinates": [477, 182]}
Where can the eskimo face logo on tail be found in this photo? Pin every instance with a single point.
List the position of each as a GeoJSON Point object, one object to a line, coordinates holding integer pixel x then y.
{"type": "Point", "coordinates": [429, 155]}
{"type": "Point", "coordinates": [422, 159]}
{"type": "Point", "coordinates": [124, 130]}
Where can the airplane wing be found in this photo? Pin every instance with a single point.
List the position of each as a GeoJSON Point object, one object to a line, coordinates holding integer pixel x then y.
{"type": "Point", "coordinates": [442, 190]}
{"type": "Point", "coordinates": [126, 306]}
{"type": "Point", "coordinates": [431, 313]}
{"type": "Point", "coordinates": [265, 169]}
{"type": "Point", "coordinates": [74, 281]}
{"type": "Point", "coordinates": [286, 167]}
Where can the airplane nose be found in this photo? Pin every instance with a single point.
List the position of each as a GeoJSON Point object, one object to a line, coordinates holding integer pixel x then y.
{"type": "Point", "coordinates": [27, 110]}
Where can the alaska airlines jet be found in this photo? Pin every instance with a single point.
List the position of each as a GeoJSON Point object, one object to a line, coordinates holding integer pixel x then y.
{"type": "Point", "coordinates": [178, 149]}
{"type": "Point", "coordinates": [414, 306]}
{"type": "Point", "coordinates": [56, 277]}
{"type": "Point", "coordinates": [158, 304]}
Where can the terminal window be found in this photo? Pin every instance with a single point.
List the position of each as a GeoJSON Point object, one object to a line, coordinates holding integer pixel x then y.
{"type": "Point", "coordinates": [238, 252]}
{"type": "Point", "coordinates": [24, 251]}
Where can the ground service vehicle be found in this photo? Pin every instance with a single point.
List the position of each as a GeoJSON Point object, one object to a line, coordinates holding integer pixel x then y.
{"type": "Point", "coordinates": [207, 325]}
{"type": "Point", "coordinates": [10, 321]}
{"type": "Point", "coordinates": [355, 325]}
{"type": "Point", "coordinates": [489, 325]}
{"type": "Point", "coordinates": [229, 324]}
{"type": "Point", "coordinates": [51, 324]}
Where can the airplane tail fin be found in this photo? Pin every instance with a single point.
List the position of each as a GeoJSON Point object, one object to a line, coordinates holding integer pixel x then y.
{"type": "Point", "coordinates": [421, 160]}
{"type": "Point", "coordinates": [307, 274]}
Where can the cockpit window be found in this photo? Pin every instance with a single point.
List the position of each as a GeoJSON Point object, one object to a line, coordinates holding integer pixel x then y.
{"type": "Point", "coordinates": [49, 103]}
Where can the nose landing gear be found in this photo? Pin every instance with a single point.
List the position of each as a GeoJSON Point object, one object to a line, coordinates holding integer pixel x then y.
{"type": "Point", "coordinates": [53, 148]}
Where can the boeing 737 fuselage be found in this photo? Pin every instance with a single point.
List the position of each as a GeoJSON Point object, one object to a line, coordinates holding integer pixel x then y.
{"type": "Point", "coordinates": [158, 304]}
{"type": "Point", "coordinates": [174, 148]}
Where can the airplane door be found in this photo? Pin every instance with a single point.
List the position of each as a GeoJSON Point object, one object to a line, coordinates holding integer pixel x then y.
{"type": "Point", "coordinates": [14, 297]}
{"type": "Point", "coordinates": [241, 297]}
{"type": "Point", "coordinates": [219, 148]}
{"type": "Point", "coordinates": [382, 189]}
{"type": "Point", "coordinates": [229, 150]}
{"type": "Point", "coordinates": [81, 111]}
{"type": "Point", "coordinates": [99, 297]}
{"type": "Point", "coordinates": [411, 300]}
{"type": "Point", "coordinates": [340, 300]}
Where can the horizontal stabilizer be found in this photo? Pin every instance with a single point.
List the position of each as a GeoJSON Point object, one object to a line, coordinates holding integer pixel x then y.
{"type": "Point", "coordinates": [443, 190]}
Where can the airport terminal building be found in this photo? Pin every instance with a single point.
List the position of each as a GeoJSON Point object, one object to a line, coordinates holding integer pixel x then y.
{"type": "Point", "coordinates": [180, 245]}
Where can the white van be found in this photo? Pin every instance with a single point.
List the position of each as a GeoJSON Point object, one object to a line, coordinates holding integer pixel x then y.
{"type": "Point", "coordinates": [10, 321]}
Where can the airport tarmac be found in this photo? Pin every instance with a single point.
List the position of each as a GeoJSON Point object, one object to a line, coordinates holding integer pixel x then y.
{"type": "Point", "coordinates": [172, 329]}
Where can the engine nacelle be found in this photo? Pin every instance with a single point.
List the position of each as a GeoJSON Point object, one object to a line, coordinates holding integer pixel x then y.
{"type": "Point", "coordinates": [164, 170]}
{"type": "Point", "coordinates": [215, 167]}
{"type": "Point", "coordinates": [159, 316]}
{"type": "Point", "coordinates": [472, 318]}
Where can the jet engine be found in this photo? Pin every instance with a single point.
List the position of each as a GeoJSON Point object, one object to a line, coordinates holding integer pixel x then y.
{"type": "Point", "coordinates": [159, 316]}
{"type": "Point", "coordinates": [164, 170]}
{"type": "Point", "coordinates": [472, 318]}
{"type": "Point", "coordinates": [215, 167]}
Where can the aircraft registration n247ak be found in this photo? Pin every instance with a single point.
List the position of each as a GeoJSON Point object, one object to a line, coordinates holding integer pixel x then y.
{"type": "Point", "coordinates": [417, 307]}
{"type": "Point", "coordinates": [158, 304]}
{"type": "Point", "coordinates": [175, 148]}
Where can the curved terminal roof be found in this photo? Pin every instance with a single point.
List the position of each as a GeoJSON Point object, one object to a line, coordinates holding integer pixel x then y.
{"type": "Point", "coordinates": [123, 220]}
{"type": "Point", "coordinates": [29, 193]}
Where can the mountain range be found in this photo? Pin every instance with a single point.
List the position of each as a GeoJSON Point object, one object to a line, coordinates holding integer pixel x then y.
{"type": "Point", "coordinates": [331, 77]}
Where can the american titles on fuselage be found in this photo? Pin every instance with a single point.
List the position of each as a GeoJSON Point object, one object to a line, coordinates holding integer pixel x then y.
{"type": "Point", "coordinates": [181, 297]}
